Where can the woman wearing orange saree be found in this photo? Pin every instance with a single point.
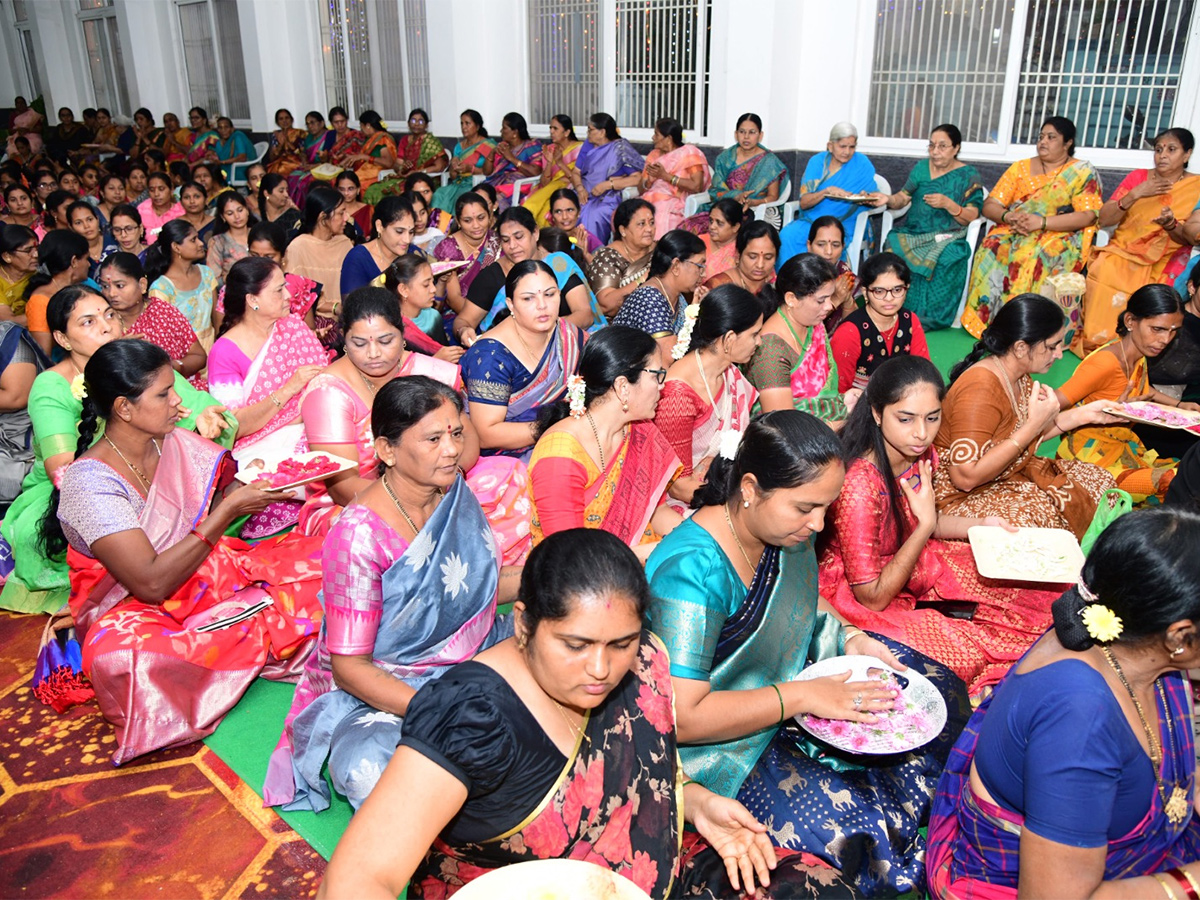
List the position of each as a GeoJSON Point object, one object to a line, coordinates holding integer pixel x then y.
{"type": "Point", "coordinates": [558, 159]}
{"type": "Point", "coordinates": [673, 170]}
{"type": "Point", "coordinates": [286, 151]}
{"type": "Point", "coordinates": [175, 619]}
{"type": "Point", "coordinates": [606, 465]}
{"type": "Point", "coordinates": [994, 418]}
{"type": "Point", "coordinates": [378, 150]}
{"type": "Point", "coordinates": [1045, 210]}
{"type": "Point", "coordinates": [1149, 246]}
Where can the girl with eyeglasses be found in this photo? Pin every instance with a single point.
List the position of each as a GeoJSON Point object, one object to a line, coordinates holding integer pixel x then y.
{"type": "Point", "coordinates": [881, 329]}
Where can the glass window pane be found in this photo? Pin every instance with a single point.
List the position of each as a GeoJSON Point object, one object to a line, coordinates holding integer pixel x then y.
{"type": "Point", "coordinates": [418, 53]}
{"type": "Point", "coordinates": [389, 99]}
{"type": "Point", "coordinates": [199, 58]}
{"type": "Point", "coordinates": [85, 5]}
{"type": "Point", "coordinates": [1111, 66]}
{"type": "Point", "coordinates": [332, 59]}
{"type": "Point", "coordinates": [659, 43]}
{"type": "Point", "coordinates": [20, 11]}
{"type": "Point", "coordinates": [939, 61]}
{"type": "Point", "coordinates": [121, 86]}
{"type": "Point", "coordinates": [96, 42]}
{"type": "Point", "coordinates": [358, 40]}
{"type": "Point", "coordinates": [35, 80]}
{"type": "Point", "coordinates": [564, 53]}
{"type": "Point", "coordinates": [233, 60]}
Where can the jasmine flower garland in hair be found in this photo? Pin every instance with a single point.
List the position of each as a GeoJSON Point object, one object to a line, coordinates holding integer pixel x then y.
{"type": "Point", "coordinates": [684, 341]}
{"type": "Point", "coordinates": [576, 394]}
{"type": "Point", "coordinates": [731, 439]}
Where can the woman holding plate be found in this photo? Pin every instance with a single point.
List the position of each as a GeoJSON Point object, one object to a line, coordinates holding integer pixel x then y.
{"type": "Point", "coordinates": [736, 603]}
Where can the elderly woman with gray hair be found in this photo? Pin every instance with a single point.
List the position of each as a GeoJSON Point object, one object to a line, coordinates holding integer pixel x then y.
{"type": "Point", "coordinates": [832, 176]}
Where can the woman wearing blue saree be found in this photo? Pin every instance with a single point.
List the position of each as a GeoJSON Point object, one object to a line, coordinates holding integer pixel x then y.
{"type": "Point", "coordinates": [1076, 778]}
{"type": "Point", "coordinates": [829, 178]}
{"type": "Point", "coordinates": [735, 601]}
{"type": "Point", "coordinates": [410, 589]}
{"type": "Point", "coordinates": [606, 165]}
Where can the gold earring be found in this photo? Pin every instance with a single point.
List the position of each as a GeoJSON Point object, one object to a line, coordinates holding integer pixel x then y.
{"type": "Point", "coordinates": [624, 406]}
{"type": "Point", "coordinates": [522, 640]}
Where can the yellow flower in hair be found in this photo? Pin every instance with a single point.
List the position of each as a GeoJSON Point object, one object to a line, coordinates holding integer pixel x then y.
{"type": "Point", "coordinates": [1101, 622]}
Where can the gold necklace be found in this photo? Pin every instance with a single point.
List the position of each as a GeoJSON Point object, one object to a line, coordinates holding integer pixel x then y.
{"type": "Point", "coordinates": [733, 531]}
{"type": "Point", "coordinates": [370, 385]}
{"type": "Point", "coordinates": [141, 476]}
{"type": "Point", "coordinates": [400, 506]}
{"type": "Point", "coordinates": [1175, 808]}
{"type": "Point", "coordinates": [576, 729]}
{"type": "Point", "coordinates": [536, 356]}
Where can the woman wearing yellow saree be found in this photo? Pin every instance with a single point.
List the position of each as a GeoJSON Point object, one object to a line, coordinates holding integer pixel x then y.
{"type": "Point", "coordinates": [1046, 210]}
{"type": "Point", "coordinates": [558, 158]}
{"type": "Point", "coordinates": [1149, 246]}
{"type": "Point", "coordinates": [1117, 372]}
{"type": "Point", "coordinates": [378, 150]}
{"type": "Point", "coordinates": [286, 152]}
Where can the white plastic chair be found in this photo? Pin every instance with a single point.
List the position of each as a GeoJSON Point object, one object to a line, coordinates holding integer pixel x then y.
{"type": "Point", "coordinates": [693, 203]}
{"type": "Point", "coordinates": [861, 221]}
{"type": "Point", "coordinates": [975, 231]}
{"type": "Point", "coordinates": [519, 188]}
{"type": "Point", "coordinates": [237, 172]}
{"type": "Point", "coordinates": [760, 212]}
{"type": "Point", "coordinates": [791, 212]}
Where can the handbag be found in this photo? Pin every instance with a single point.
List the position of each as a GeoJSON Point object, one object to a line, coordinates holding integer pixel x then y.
{"type": "Point", "coordinates": [1113, 504]}
{"type": "Point", "coordinates": [58, 678]}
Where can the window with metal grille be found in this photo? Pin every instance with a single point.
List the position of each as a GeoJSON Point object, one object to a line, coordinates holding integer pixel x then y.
{"type": "Point", "coordinates": [105, 57]}
{"type": "Point", "coordinates": [638, 59]}
{"type": "Point", "coordinates": [216, 66]}
{"type": "Point", "coordinates": [375, 56]}
{"type": "Point", "coordinates": [997, 68]}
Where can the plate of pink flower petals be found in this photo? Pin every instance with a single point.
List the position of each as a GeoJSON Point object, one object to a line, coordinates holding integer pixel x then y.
{"type": "Point", "coordinates": [1155, 414]}
{"type": "Point", "coordinates": [918, 716]}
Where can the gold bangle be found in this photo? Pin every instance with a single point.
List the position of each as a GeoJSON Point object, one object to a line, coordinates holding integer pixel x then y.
{"type": "Point", "coordinates": [275, 399]}
{"type": "Point", "coordinates": [779, 694]}
{"type": "Point", "coordinates": [850, 634]}
{"type": "Point", "coordinates": [1014, 442]}
{"type": "Point", "coordinates": [1166, 886]}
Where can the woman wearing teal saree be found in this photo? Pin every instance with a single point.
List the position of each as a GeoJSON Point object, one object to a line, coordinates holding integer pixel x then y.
{"type": "Point", "coordinates": [829, 178]}
{"type": "Point", "coordinates": [735, 602]}
{"type": "Point", "coordinates": [946, 196]}
{"type": "Point", "coordinates": [746, 172]}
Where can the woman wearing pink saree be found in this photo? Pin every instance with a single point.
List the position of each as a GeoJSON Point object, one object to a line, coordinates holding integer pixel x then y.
{"type": "Point", "coordinates": [258, 366]}
{"type": "Point", "coordinates": [175, 620]}
{"type": "Point", "coordinates": [706, 396]}
{"type": "Point", "coordinates": [336, 412]}
{"type": "Point", "coordinates": [673, 170]}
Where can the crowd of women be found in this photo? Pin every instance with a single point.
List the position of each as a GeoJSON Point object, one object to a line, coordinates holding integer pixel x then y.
{"type": "Point", "coordinates": [609, 478]}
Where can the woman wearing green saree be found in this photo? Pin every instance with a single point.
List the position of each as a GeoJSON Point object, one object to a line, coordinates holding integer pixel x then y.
{"type": "Point", "coordinates": [81, 322]}
{"type": "Point", "coordinates": [946, 196]}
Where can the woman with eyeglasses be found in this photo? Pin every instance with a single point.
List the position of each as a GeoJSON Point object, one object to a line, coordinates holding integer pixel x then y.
{"type": "Point", "coordinates": [417, 151]}
{"type": "Point", "coordinates": [125, 225]}
{"type": "Point", "coordinates": [600, 462]}
{"type": "Point", "coordinates": [881, 329]}
{"type": "Point", "coordinates": [18, 261]}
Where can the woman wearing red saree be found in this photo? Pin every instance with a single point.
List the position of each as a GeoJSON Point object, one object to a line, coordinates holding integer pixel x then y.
{"type": "Point", "coordinates": [536, 750]}
{"type": "Point", "coordinates": [175, 619]}
{"type": "Point", "coordinates": [673, 170]}
{"type": "Point", "coordinates": [888, 550]}
{"type": "Point", "coordinates": [606, 465]}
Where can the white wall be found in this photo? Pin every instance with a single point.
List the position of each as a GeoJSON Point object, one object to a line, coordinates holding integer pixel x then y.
{"type": "Point", "coordinates": [153, 63]}
{"type": "Point", "coordinates": [281, 40]}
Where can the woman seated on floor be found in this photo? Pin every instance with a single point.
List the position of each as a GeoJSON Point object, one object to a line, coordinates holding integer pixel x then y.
{"type": "Point", "coordinates": [944, 196]}
{"type": "Point", "coordinates": [827, 239]}
{"type": "Point", "coordinates": [151, 319]}
{"type": "Point", "coordinates": [659, 306]}
{"type": "Point", "coordinates": [81, 320]}
{"type": "Point", "coordinates": [336, 411]}
{"type": "Point", "coordinates": [793, 372]}
{"type": "Point", "coordinates": [564, 214]}
{"type": "Point", "coordinates": [757, 247]}
{"type": "Point", "coordinates": [474, 243]}
{"type": "Point", "coordinates": [274, 204]}
{"type": "Point", "coordinates": [395, 224]}
{"type": "Point", "coordinates": [521, 365]}
{"type": "Point", "coordinates": [160, 206]}
{"type": "Point", "coordinates": [747, 173]}
{"type": "Point", "coordinates": [319, 253]}
{"type": "Point", "coordinates": [384, 563]}
{"type": "Point", "coordinates": [673, 170]}
{"type": "Point", "coordinates": [1045, 210]}
{"type": "Point", "coordinates": [358, 213]}
{"type": "Point", "coordinates": [830, 178]}
{"type": "Point", "coordinates": [1150, 244]}
{"type": "Point", "coordinates": [511, 745]}
{"type": "Point", "coordinates": [18, 262]}
{"type": "Point", "coordinates": [607, 165]}
{"type": "Point", "coordinates": [1075, 778]}
{"type": "Point", "coordinates": [85, 221]}
{"type": "Point", "coordinates": [420, 183]}
{"type": "Point", "coordinates": [994, 418]}
{"type": "Point", "coordinates": [62, 262]}
{"type": "Point", "coordinates": [425, 239]}
{"type": "Point", "coordinates": [720, 239]}
{"type": "Point", "coordinates": [145, 511]}
{"type": "Point", "coordinates": [881, 329]}
{"type": "Point", "coordinates": [888, 550]}
{"type": "Point", "coordinates": [127, 231]}
{"type": "Point", "coordinates": [599, 461]}
{"type": "Point", "coordinates": [1115, 373]}
{"type": "Point", "coordinates": [486, 297]}
{"type": "Point", "coordinates": [619, 269]}
{"type": "Point", "coordinates": [706, 400]}
{"type": "Point", "coordinates": [21, 361]}
{"type": "Point", "coordinates": [258, 366]}
{"type": "Point", "coordinates": [736, 603]}
{"type": "Point", "coordinates": [178, 276]}
{"type": "Point", "coordinates": [230, 240]}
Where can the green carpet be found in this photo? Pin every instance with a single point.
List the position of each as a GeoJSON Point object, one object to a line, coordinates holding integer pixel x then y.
{"type": "Point", "coordinates": [247, 736]}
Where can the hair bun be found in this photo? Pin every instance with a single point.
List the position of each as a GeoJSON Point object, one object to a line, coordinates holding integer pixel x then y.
{"type": "Point", "coordinates": [1068, 623]}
